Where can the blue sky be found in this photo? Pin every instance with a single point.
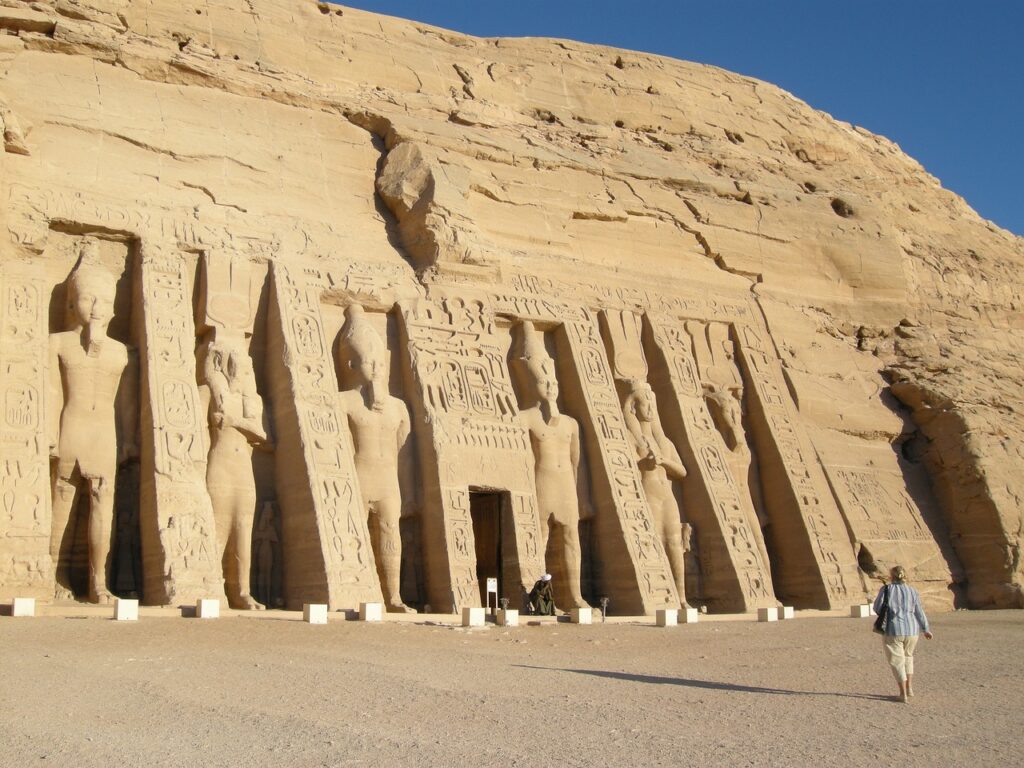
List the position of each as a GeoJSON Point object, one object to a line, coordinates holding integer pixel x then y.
{"type": "Point", "coordinates": [944, 80]}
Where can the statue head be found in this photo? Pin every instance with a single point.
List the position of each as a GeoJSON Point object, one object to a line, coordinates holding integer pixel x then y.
{"type": "Point", "coordinates": [361, 351]}
{"type": "Point", "coordinates": [91, 289]}
{"type": "Point", "coordinates": [537, 363]}
{"type": "Point", "coordinates": [641, 400]}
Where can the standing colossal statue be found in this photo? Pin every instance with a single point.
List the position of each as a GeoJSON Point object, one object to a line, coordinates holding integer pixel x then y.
{"type": "Point", "coordinates": [236, 427]}
{"type": "Point", "coordinates": [659, 464]}
{"type": "Point", "coordinates": [379, 425]}
{"type": "Point", "coordinates": [93, 388]}
{"type": "Point", "coordinates": [555, 438]}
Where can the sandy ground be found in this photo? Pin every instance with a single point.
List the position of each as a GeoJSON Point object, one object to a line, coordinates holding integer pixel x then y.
{"type": "Point", "coordinates": [243, 692]}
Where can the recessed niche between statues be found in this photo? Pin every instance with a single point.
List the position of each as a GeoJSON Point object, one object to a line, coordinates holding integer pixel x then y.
{"type": "Point", "coordinates": [93, 412]}
{"type": "Point", "coordinates": [563, 500]}
{"type": "Point", "coordinates": [240, 435]}
{"type": "Point", "coordinates": [237, 427]}
{"type": "Point", "coordinates": [379, 428]}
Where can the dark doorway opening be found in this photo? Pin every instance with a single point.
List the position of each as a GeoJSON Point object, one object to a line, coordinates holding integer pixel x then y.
{"type": "Point", "coordinates": [487, 508]}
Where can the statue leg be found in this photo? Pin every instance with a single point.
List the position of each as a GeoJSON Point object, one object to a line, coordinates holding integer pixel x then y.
{"type": "Point", "coordinates": [64, 492]}
{"type": "Point", "coordinates": [389, 554]}
{"type": "Point", "coordinates": [221, 500]}
{"type": "Point", "coordinates": [545, 535]}
{"type": "Point", "coordinates": [101, 530]}
{"type": "Point", "coordinates": [571, 554]}
{"type": "Point", "coordinates": [672, 533]}
{"type": "Point", "coordinates": [241, 549]}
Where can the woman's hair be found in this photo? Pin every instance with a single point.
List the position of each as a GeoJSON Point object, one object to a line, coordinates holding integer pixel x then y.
{"type": "Point", "coordinates": [898, 573]}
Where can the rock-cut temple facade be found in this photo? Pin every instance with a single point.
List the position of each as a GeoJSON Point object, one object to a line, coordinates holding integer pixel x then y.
{"type": "Point", "coordinates": [300, 304]}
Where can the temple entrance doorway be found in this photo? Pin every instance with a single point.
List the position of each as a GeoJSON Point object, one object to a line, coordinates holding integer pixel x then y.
{"type": "Point", "coordinates": [488, 510]}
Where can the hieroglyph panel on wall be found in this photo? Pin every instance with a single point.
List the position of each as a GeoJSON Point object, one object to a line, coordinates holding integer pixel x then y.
{"type": "Point", "coordinates": [178, 534]}
{"type": "Point", "coordinates": [25, 567]}
{"type": "Point", "coordinates": [470, 411]}
{"type": "Point", "coordinates": [327, 552]}
{"type": "Point", "coordinates": [817, 566]}
{"type": "Point", "coordinates": [735, 570]}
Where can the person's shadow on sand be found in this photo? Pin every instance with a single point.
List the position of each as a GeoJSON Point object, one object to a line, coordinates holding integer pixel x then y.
{"type": "Point", "coordinates": [706, 684]}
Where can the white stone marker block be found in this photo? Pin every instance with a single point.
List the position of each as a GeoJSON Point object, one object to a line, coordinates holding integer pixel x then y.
{"type": "Point", "coordinates": [768, 614]}
{"type": "Point", "coordinates": [126, 610]}
{"type": "Point", "coordinates": [508, 618]}
{"type": "Point", "coordinates": [371, 611]}
{"type": "Point", "coordinates": [314, 613]}
{"type": "Point", "coordinates": [786, 612]}
{"type": "Point", "coordinates": [689, 615]}
{"type": "Point", "coordinates": [207, 609]}
{"type": "Point", "coordinates": [23, 606]}
{"type": "Point", "coordinates": [860, 611]}
{"type": "Point", "coordinates": [582, 615]}
{"type": "Point", "coordinates": [473, 617]}
{"type": "Point", "coordinates": [667, 617]}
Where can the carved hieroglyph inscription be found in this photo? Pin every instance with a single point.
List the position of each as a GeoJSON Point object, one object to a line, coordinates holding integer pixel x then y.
{"type": "Point", "coordinates": [735, 574]}
{"type": "Point", "coordinates": [886, 525]}
{"type": "Point", "coordinates": [327, 554]}
{"type": "Point", "coordinates": [178, 536]}
{"type": "Point", "coordinates": [651, 586]}
{"type": "Point", "coordinates": [25, 567]}
{"type": "Point", "coordinates": [816, 565]}
{"type": "Point", "coordinates": [469, 407]}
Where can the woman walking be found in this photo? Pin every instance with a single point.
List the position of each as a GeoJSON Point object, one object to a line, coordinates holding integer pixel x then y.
{"type": "Point", "coordinates": [904, 621]}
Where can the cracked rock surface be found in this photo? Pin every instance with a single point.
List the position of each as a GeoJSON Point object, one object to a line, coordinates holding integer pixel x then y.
{"type": "Point", "coordinates": [294, 130]}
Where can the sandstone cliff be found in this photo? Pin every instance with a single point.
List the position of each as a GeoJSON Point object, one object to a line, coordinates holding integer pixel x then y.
{"type": "Point", "coordinates": [870, 322]}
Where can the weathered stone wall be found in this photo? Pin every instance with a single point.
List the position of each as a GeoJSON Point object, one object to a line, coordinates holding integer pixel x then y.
{"type": "Point", "coordinates": [830, 340]}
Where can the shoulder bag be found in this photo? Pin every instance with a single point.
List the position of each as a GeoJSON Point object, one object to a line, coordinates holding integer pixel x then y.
{"type": "Point", "coordinates": [880, 621]}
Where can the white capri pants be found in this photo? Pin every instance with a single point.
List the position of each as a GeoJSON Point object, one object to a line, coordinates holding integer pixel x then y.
{"type": "Point", "coordinates": [899, 652]}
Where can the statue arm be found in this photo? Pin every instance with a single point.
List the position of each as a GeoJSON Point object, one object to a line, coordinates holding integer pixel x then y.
{"type": "Point", "coordinates": [217, 387]}
{"type": "Point", "coordinates": [669, 458]}
{"type": "Point", "coordinates": [579, 468]}
{"type": "Point", "coordinates": [252, 424]}
{"type": "Point", "coordinates": [55, 394]}
{"type": "Point", "coordinates": [634, 434]}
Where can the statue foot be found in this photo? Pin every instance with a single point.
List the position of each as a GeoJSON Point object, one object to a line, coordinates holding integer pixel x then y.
{"type": "Point", "coordinates": [100, 596]}
{"type": "Point", "coordinates": [246, 603]}
{"type": "Point", "coordinates": [400, 607]}
{"type": "Point", "coordinates": [61, 593]}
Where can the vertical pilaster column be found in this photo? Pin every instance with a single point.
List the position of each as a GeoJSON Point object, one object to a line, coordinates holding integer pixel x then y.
{"type": "Point", "coordinates": [326, 546]}
{"type": "Point", "coordinates": [181, 563]}
{"type": "Point", "coordinates": [817, 566]}
{"type": "Point", "coordinates": [635, 573]}
{"type": "Point", "coordinates": [25, 566]}
{"type": "Point", "coordinates": [735, 576]}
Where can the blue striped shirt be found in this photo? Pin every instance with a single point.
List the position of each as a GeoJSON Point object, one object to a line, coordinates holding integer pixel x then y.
{"type": "Point", "coordinates": [906, 616]}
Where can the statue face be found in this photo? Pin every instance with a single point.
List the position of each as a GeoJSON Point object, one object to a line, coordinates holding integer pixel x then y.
{"type": "Point", "coordinates": [368, 364]}
{"type": "Point", "coordinates": [547, 383]}
{"type": "Point", "coordinates": [644, 404]}
{"type": "Point", "coordinates": [93, 300]}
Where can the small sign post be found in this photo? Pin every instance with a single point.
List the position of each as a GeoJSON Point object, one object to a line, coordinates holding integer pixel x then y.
{"type": "Point", "coordinates": [492, 589]}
